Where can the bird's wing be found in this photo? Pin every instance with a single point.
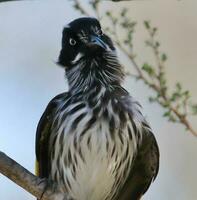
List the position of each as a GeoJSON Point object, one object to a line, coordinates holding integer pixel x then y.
{"type": "Point", "coordinates": [42, 137]}
{"type": "Point", "coordinates": [144, 169]}
{"type": "Point", "coordinates": [145, 165]}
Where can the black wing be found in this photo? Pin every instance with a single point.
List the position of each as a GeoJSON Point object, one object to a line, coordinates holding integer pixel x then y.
{"type": "Point", "coordinates": [144, 169]}
{"type": "Point", "coordinates": [42, 137]}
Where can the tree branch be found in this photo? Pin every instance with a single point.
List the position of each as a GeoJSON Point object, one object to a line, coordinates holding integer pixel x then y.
{"type": "Point", "coordinates": [156, 82]}
{"type": "Point", "coordinates": [40, 188]}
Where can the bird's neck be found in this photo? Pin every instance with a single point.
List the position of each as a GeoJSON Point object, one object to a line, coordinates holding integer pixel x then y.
{"type": "Point", "coordinates": [101, 72]}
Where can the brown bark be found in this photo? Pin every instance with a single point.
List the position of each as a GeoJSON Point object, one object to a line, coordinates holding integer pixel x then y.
{"type": "Point", "coordinates": [40, 188]}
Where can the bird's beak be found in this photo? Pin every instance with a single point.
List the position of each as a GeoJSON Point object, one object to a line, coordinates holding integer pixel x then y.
{"type": "Point", "coordinates": [96, 42]}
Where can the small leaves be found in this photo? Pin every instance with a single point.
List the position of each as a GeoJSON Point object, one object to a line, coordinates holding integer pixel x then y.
{"type": "Point", "coordinates": [163, 57]}
{"type": "Point", "coordinates": [154, 30]}
{"type": "Point", "coordinates": [167, 113]}
{"type": "Point", "coordinates": [179, 94]}
{"type": "Point", "coordinates": [121, 21]}
{"type": "Point", "coordinates": [178, 87]}
{"type": "Point", "coordinates": [148, 69]}
{"type": "Point", "coordinates": [123, 12]}
{"type": "Point", "coordinates": [157, 44]}
{"type": "Point", "coordinates": [170, 116]}
{"type": "Point", "coordinates": [147, 24]}
{"type": "Point", "coordinates": [108, 13]}
{"type": "Point", "coordinates": [166, 104]}
{"type": "Point", "coordinates": [177, 104]}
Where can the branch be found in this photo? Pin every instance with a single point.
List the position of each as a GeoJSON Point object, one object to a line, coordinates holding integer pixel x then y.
{"type": "Point", "coordinates": [155, 81]}
{"type": "Point", "coordinates": [40, 188]}
{"type": "Point", "coordinates": [160, 89]}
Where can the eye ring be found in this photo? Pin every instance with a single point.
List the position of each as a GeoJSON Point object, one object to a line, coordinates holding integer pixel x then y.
{"type": "Point", "coordinates": [72, 41]}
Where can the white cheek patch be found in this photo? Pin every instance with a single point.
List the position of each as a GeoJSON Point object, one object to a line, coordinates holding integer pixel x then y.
{"type": "Point", "coordinates": [77, 58]}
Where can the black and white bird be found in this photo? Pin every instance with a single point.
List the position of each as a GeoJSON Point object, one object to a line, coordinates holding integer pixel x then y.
{"type": "Point", "coordinates": [93, 140]}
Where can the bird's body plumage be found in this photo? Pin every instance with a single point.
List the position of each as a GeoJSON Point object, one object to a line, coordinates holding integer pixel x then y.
{"type": "Point", "coordinates": [93, 140]}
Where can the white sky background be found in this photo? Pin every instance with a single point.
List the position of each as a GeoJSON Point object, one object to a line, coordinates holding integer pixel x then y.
{"type": "Point", "coordinates": [30, 37]}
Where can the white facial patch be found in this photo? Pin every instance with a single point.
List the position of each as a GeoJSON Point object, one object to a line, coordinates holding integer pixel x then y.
{"type": "Point", "coordinates": [77, 58]}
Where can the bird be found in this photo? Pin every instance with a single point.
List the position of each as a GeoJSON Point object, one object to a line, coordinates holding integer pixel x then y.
{"type": "Point", "coordinates": [93, 140]}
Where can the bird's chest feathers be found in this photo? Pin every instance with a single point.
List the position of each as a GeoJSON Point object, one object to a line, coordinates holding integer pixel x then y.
{"type": "Point", "coordinates": [93, 151]}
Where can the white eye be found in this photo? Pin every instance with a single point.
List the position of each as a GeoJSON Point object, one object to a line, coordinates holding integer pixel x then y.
{"type": "Point", "coordinates": [72, 41]}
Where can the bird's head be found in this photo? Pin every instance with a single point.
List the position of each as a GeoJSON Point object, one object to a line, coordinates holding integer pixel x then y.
{"type": "Point", "coordinates": [86, 49]}
{"type": "Point", "coordinates": [83, 38]}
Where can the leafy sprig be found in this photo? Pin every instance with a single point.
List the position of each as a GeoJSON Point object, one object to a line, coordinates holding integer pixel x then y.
{"type": "Point", "coordinates": [177, 104]}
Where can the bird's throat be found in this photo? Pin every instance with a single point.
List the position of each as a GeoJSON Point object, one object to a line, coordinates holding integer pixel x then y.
{"type": "Point", "coordinates": [88, 74]}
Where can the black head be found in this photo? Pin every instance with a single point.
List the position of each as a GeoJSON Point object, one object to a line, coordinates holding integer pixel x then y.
{"type": "Point", "coordinates": [83, 38]}
{"type": "Point", "coordinates": [88, 56]}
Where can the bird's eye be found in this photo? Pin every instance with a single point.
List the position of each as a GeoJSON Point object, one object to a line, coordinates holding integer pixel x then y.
{"type": "Point", "coordinates": [99, 32]}
{"type": "Point", "coordinates": [72, 41]}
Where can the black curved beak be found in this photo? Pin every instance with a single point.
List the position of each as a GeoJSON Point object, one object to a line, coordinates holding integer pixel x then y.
{"type": "Point", "coordinates": [96, 42]}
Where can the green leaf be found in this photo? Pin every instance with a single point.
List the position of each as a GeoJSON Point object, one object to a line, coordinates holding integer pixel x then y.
{"type": "Point", "coordinates": [186, 94]}
{"type": "Point", "coordinates": [157, 44]}
{"type": "Point", "coordinates": [166, 104]}
{"type": "Point", "coordinates": [154, 31]}
{"type": "Point", "coordinates": [175, 96]}
{"type": "Point", "coordinates": [178, 86]}
{"type": "Point", "coordinates": [167, 114]}
{"type": "Point", "coordinates": [147, 24]}
{"type": "Point", "coordinates": [108, 13]}
{"type": "Point", "coordinates": [124, 12]}
{"type": "Point", "coordinates": [148, 69]}
{"type": "Point", "coordinates": [163, 57]}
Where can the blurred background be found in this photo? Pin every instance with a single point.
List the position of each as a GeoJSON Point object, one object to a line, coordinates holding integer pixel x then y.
{"type": "Point", "coordinates": [30, 37]}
